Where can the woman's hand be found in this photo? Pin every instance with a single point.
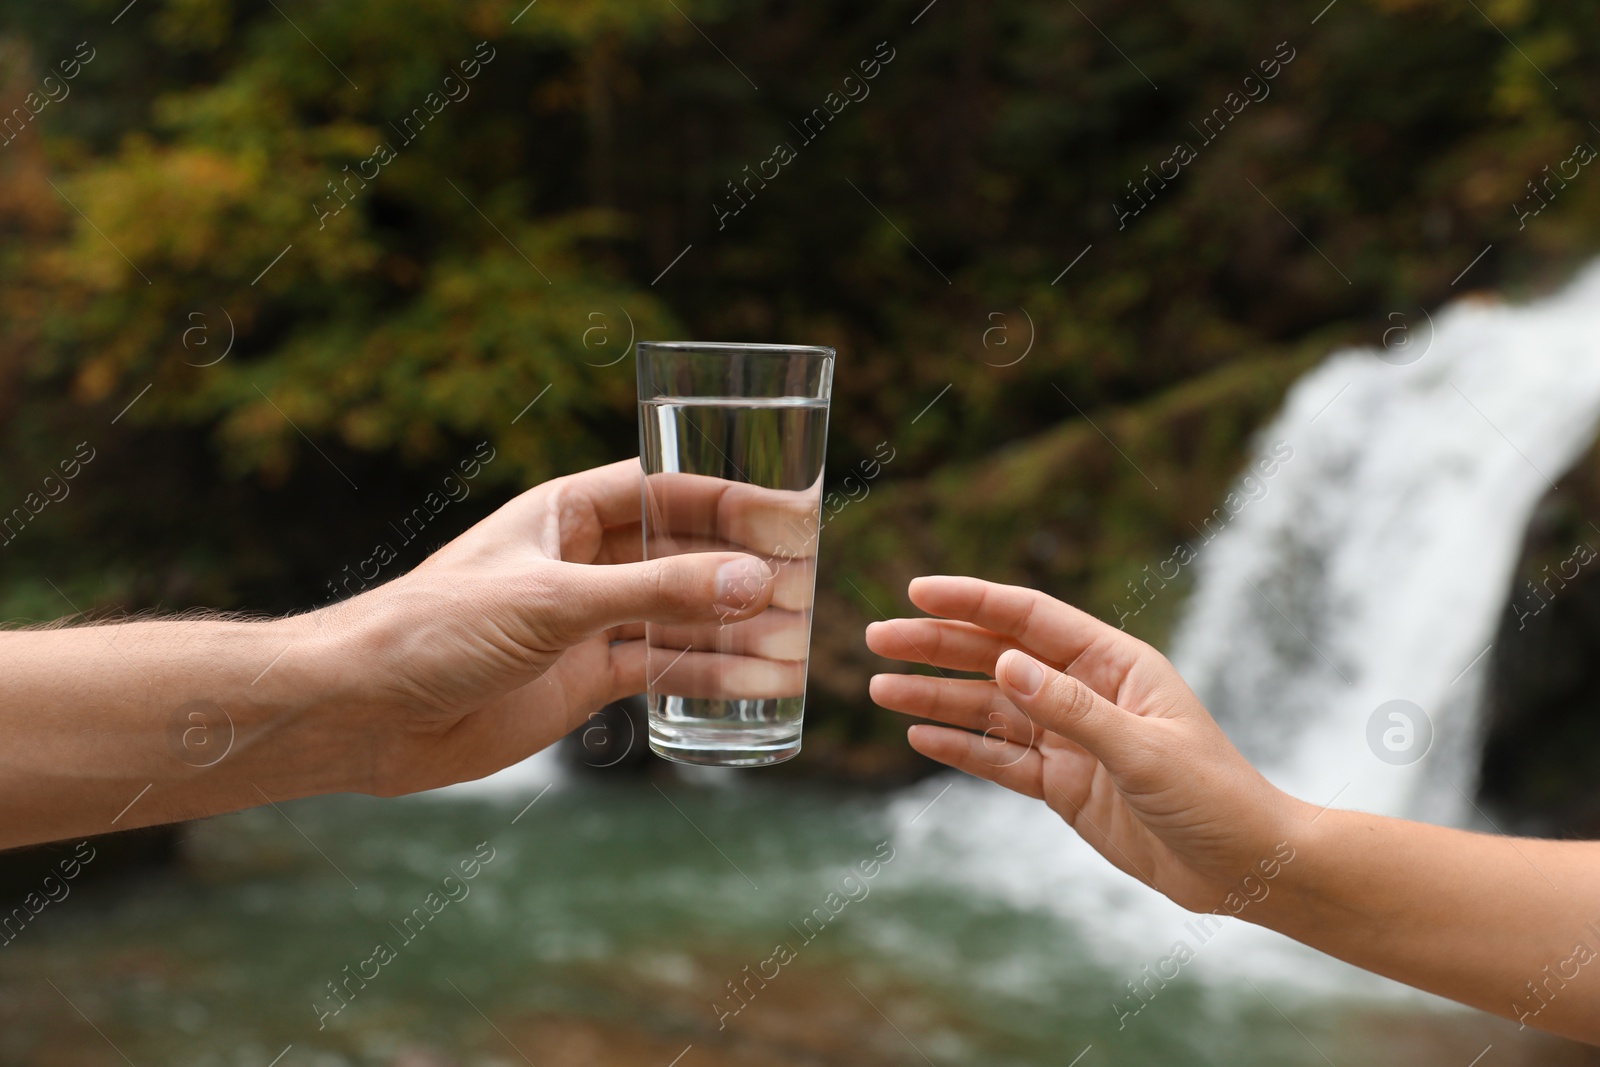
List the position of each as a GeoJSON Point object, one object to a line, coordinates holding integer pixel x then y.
{"type": "Point", "coordinates": [1100, 727]}
{"type": "Point", "coordinates": [1095, 723]}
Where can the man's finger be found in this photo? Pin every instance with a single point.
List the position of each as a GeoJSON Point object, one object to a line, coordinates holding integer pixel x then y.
{"type": "Point", "coordinates": [637, 666]}
{"type": "Point", "coordinates": [796, 577]}
{"type": "Point", "coordinates": [702, 587]}
{"type": "Point", "coordinates": [774, 522]}
{"type": "Point", "coordinates": [774, 634]}
{"type": "Point", "coordinates": [689, 673]}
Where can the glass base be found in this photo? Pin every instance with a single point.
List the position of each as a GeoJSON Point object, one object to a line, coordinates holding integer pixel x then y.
{"type": "Point", "coordinates": [709, 746]}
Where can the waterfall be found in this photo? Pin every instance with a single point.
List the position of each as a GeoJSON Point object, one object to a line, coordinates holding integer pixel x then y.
{"type": "Point", "coordinates": [1371, 566]}
{"type": "Point", "coordinates": [1374, 565]}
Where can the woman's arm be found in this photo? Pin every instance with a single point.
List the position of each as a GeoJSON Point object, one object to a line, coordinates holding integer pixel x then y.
{"type": "Point", "coordinates": [1100, 727]}
{"type": "Point", "coordinates": [495, 647]}
{"type": "Point", "coordinates": [1508, 925]}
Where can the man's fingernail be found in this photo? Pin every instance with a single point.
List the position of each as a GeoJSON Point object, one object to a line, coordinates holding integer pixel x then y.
{"type": "Point", "coordinates": [1023, 674]}
{"type": "Point", "coordinates": [739, 582]}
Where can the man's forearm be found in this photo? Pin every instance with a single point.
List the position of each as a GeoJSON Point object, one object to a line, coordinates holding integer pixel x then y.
{"type": "Point", "coordinates": [491, 649]}
{"type": "Point", "coordinates": [112, 727]}
{"type": "Point", "coordinates": [1508, 925]}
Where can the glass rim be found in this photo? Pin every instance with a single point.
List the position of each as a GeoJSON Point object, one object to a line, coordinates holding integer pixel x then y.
{"type": "Point", "coordinates": [754, 348]}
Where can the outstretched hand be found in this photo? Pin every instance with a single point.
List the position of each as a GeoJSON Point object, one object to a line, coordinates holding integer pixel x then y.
{"type": "Point", "coordinates": [496, 646]}
{"type": "Point", "coordinates": [507, 638]}
{"type": "Point", "coordinates": [1092, 721]}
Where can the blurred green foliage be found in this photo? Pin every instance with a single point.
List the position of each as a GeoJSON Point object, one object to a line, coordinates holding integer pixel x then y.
{"type": "Point", "coordinates": [532, 220]}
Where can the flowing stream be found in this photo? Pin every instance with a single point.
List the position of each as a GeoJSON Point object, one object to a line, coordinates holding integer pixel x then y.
{"type": "Point", "coordinates": [616, 917]}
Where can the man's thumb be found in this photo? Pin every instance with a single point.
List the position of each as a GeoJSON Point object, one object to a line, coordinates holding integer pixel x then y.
{"type": "Point", "coordinates": [697, 587]}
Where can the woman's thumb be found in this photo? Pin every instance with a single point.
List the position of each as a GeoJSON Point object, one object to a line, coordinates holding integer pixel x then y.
{"type": "Point", "coordinates": [1064, 705]}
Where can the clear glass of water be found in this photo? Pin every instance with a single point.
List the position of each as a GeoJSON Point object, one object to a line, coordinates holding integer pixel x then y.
{"type": "Point", "coordinates": [731, 442]}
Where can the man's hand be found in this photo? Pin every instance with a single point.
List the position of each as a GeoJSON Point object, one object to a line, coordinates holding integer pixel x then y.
{"type": "Point", "coordinates": [495, 647]}
{"type": "Point", "coordinates": [504, 640]}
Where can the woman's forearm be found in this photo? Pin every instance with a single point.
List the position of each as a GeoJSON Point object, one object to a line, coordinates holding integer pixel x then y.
{"type": "Point", "coordinates": [1508, 925]}
{"type": "Point", "coordinates": [119, 726]}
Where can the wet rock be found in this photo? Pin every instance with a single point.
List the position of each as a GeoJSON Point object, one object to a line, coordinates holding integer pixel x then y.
{"type": "Point", "coordinates": [117, 856]}
{"type": "Point", "coordinates": [1542, 713]}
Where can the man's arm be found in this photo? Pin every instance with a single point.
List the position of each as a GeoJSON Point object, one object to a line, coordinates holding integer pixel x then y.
{"type": "Point", "coordinates": [119, 726]}
{"type": "Point", "coordinates": [493, 648]}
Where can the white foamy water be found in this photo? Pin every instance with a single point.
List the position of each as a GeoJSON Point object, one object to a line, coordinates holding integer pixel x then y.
{"type": "Point", "coordinates": [1375, 568]}
{"type": "Point", "coordinates": [539, 771]}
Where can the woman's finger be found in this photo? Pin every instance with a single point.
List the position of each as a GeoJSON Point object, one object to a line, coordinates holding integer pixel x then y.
{"type": "Point", "coordinates": [964, 702]}
{"type": "Point", "coordinates": [1110, 830]}
{"type": "Point", "coordinates": [956, 646]}
{"type": "Point", "coordinates": [1017, 767]}
{"type": "Point", "coordinates": [1049, 629]}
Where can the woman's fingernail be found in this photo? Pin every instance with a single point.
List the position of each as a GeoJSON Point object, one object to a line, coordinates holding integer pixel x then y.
{"type": "Point", "coordinates": [739, 583]}
{"type": "Point", "coordinates": [1023, 674]}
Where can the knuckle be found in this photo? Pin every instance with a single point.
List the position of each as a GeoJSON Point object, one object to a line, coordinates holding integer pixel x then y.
{"type": "Point", "coordinates": [1022, 617]}
{"type": "Point", "coordinates": [1148, 760]}
{"type": "Point", "coordinates": [659, 583]}
{"type": "Point", "coordinates": [1075, 699]}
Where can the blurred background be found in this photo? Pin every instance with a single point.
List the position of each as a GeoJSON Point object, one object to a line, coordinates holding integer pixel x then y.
{"type": "Point", "coordinates": [1264, 331]}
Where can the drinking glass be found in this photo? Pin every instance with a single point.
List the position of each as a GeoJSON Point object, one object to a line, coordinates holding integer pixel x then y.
{"type": "Point", "coordinates": [731, 442]}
